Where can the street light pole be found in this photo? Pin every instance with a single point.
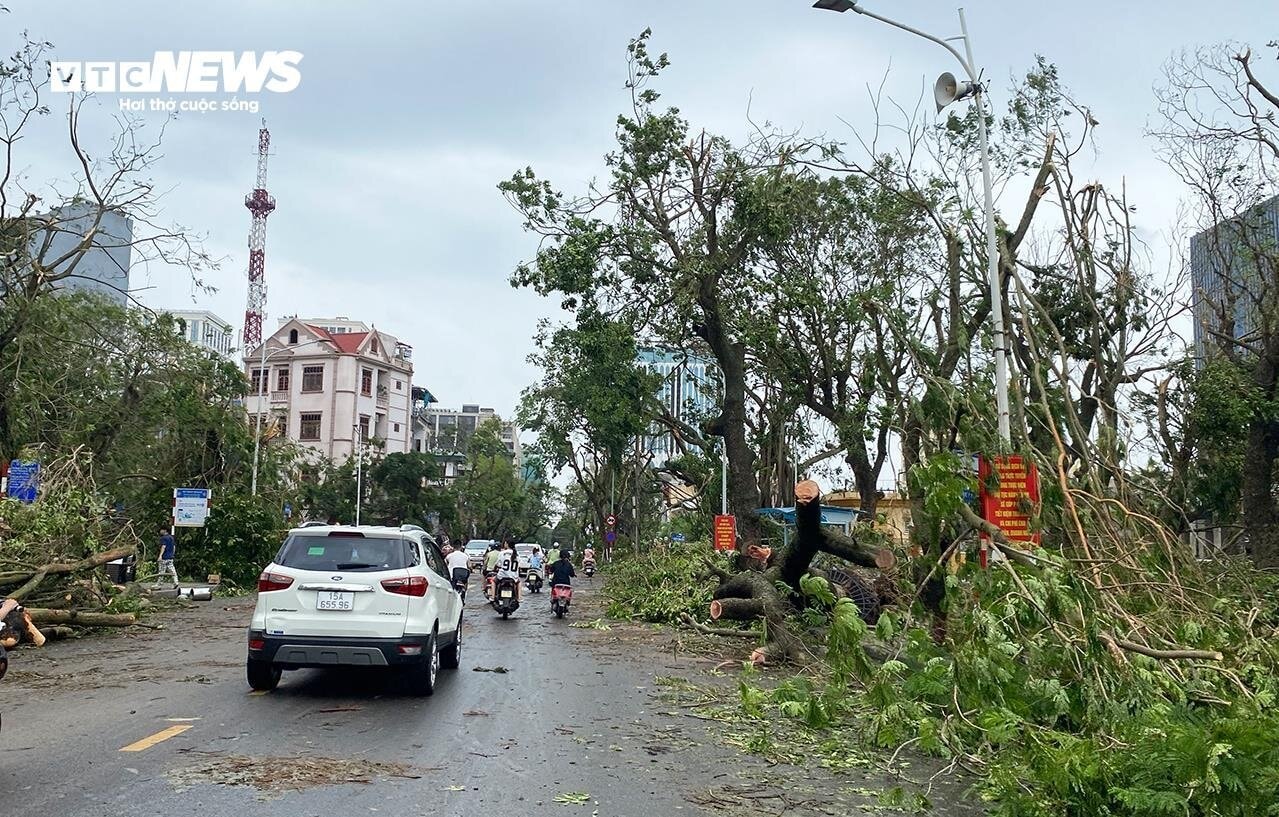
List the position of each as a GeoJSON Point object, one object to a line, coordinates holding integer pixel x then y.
{"type": "Point", "coordinates": [359, 471]}
{"type": "Point", "coordinates": [992, 251]}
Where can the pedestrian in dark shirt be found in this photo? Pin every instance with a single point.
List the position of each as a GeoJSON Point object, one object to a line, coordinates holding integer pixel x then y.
{"type": "Point", "coordinates": [168, 550]}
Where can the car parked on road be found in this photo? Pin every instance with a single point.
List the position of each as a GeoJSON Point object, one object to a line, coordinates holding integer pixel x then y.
{"type": "Point", "coordinates": [475, 550]}
{"type": "Point", "coordinates": [355, 596]}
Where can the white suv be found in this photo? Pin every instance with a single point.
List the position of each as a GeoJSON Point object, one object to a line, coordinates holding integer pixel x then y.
{"type": "Point", "coordinates": [355, 596]}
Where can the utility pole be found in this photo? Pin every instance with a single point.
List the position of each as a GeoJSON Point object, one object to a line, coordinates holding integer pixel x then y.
{"type": "Point", "coordinates": [359, 471]}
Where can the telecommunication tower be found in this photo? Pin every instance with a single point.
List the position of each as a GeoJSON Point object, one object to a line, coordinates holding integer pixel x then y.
{"type": "Point", "coordinates": [260, 204]}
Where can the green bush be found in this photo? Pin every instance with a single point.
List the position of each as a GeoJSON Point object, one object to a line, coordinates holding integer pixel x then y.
{"type": "Point", "coordinates": [241, 536]}
{"type": "Point", "coordinates": [660, 586]}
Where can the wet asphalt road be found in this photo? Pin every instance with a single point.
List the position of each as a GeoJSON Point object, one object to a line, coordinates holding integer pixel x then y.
{"type": "Point", "coordinates": [573, 714]}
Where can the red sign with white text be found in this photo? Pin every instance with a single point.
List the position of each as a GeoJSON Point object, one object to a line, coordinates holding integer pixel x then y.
{"type": "Point", "coordinates": [724, 532]}
{"type": "Point", "coordinates": [1008, 505]}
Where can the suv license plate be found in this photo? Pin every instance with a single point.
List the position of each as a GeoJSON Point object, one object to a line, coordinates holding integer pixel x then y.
{"type": "Point", "coordinates": [330, 600]}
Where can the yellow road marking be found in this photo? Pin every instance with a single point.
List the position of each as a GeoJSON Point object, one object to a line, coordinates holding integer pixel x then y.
{"type": "Point", "coordinates": [158, 737]}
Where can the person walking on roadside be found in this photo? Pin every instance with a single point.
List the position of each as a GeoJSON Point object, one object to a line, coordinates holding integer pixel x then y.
{"type": "Point", "coordinates": [168, 551]}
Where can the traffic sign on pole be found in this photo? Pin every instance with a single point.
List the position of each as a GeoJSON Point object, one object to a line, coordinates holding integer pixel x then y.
{"type": "Point", "coordinates": [610, 536]}
{"type": "Point", "coordinates": [610, 520]}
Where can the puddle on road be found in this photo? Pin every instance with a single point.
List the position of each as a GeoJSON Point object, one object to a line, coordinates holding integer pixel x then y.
{"type": "Point", "coordinates": [274, 776]}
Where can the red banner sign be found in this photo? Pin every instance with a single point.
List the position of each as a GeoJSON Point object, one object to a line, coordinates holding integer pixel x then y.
{"type": "Point", "coordinates": [724, 532]}
{"type": "Point", "coordinates": [1007, 505]}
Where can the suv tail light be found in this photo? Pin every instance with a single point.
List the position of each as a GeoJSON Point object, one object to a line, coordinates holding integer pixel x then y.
{"type": "Point", "coordinates": [273, 581]}
{"type": "Point", "coordinates": [407, 586]}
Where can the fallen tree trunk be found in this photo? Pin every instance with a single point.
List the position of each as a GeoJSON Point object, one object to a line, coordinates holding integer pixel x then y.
{"type": "Point", "coordinates": [46, 616]}
{"type": "Point", "coordinates": [772, 591]}
{"type": "Point", "coordinates": [32, 579]}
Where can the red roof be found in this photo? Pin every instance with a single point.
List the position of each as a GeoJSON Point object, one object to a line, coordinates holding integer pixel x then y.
{"type": "Point", "coordinates": [347, 342]}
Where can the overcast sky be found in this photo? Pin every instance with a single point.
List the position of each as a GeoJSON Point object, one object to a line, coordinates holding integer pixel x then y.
{"type": "Point", "coordinates": [386, 157]}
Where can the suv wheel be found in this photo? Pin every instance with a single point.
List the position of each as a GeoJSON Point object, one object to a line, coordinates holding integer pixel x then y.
{"type": "Point", "coordinates": [422, 676]}
{"type": "Point", "coordinates": [451, 657]}
{"type": "Point", "coordinates": [262, 676]}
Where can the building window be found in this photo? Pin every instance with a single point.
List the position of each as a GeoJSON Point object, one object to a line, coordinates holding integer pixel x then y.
{"type": "Point", "coordinates": [366, 381]}
{"type": "Point", "coordinates": [258, 380]}
{"type": "Point", "coordinates": [373, 346]}
{"type": "Point", "coordinates": [310, 426]}
{"type": "Point", "coordinates": [399, 385]}
{"type": "Point", "coordinates": [293, 336]}
{"type": "Point", "coordinates": [312, 378]}
{"type": "Point", "coordinates": [282, 380]}
{"type": "Point", "coordinates": [397, 428]}
{"type": "Point", "coordinates": [364, 426]}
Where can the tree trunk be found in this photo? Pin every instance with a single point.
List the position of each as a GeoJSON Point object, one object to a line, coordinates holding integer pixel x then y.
{"type": "Point", "coordinates": [1260, 516]}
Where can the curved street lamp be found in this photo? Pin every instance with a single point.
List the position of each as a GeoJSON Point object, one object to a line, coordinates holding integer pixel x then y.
{"type": "Point", "coordinates": [946, 91]}
{"type": "Point", "coordinates": [257, 433]}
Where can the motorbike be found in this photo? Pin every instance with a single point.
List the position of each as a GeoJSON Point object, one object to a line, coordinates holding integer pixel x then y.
{"type": "Point", "coordinates": [533, 580]}
{"type": "Point", "coordinates": [461, 576]}
{"type": "Point", "coordinates": [506, 592]}
{"type": "Point", "coordinates": [489, 578]}
{"type": "Point", "coordinates": [561, 595]}
{"type": "Point", "coordinates": [588, 567]}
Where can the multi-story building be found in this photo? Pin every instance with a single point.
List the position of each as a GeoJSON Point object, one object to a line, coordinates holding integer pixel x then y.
{"type": "Point", "coordinates": [326, 388]}
{"type": "Point", "coordinates": [101, 269]}
{"type": "Point", "coordinates": [1224, 266]}
{"type": "Point", "coordinates": [689, 391]}
{"type": "Point", "coordinates": [445, 433]}
{"type": "Point", "coordinates": [206, 330]}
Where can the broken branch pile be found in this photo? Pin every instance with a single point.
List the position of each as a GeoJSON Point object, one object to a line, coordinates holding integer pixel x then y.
{"type": "Point", "coordinates": [51, 557]}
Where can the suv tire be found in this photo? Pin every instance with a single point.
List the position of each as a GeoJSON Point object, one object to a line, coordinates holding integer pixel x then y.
{"type": "Point", "coordinates": [422, 676]}
{"type": "Point", "coordinates": [451, 657]}
{"type": "Point", "coordinates": [262, 675]}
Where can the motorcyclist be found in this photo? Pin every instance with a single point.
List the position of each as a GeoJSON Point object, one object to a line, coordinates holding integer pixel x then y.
{"type": "Point", "coordinates": [536, 560]}
{"type": "Point", "coordinates": [459, 566]}
{"type": "Point", "coordinates": [553, 555]}
{"type": "Point", "coordinates": [588, 555]}
{"type": "Point", "coordinates": [491, 558]}
{"type": "Point", "coordinates": [562, 569]}
{"type": "Point", "coordinates": [508, 566]}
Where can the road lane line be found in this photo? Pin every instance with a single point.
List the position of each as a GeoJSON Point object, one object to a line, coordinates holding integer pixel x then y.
{"type": "Point", "coordinates": [158, 737]}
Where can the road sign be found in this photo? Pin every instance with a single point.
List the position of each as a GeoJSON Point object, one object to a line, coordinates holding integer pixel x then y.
{"type": "Point", "coordinates": [724, 532]}
{"type": "Point", "coordinates": [24, 480]}
{"type": "Point", "coordinates": [610, 520]}
{"type": "Point", "coordinates": [610, 536]}
{"type": "Point", "coordinates": [677, 537]}
{"type": "Point", "coordinates": [190, 507]}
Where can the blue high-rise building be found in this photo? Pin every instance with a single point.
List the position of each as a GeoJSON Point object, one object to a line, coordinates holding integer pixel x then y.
{"type": "Point", "coordinates": [1233, 259]}
{"type": "Point", "coordinates": [690, 391]}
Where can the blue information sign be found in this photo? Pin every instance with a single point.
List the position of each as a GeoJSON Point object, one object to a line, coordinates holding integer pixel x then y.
{"type": "Point", "coordinates": [677, 537]}
{"type": "Point", "coordinates": [24, 480]}
{"type": "Point", "coordinates": [610, 536]}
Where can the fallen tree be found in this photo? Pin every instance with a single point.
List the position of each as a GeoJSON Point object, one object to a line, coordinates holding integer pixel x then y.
{"type": "Point", "coordinates": [771, 588]}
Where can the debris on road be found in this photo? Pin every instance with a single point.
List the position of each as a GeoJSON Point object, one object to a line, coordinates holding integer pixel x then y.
{"type": "Point", "coordinates": [499, 670]}
{"type": "Point", "coordinates": [276, 775]}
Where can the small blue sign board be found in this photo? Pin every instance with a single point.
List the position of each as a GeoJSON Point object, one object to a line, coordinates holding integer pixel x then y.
{"type": "Point", "coordinates": [677, 537]}
{"type": "Point", "coordinates": [24, 480]}
{"type": "Point", "coordinates": [610, 536]}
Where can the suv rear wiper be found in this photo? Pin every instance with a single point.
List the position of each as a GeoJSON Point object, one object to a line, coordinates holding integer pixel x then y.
{"type": "Point", "coordinates": [352, 565]}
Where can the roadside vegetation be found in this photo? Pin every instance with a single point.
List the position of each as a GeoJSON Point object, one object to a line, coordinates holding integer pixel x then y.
{"type": "Point", "coordinates": [841, 286]}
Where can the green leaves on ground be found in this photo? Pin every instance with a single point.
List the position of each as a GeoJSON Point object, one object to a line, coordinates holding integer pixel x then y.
{"type": "Point", "coordinates": [661, 585]}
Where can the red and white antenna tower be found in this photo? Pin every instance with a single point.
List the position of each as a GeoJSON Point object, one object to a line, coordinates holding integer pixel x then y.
{"type": "Point", "coordinates": [260, 204]}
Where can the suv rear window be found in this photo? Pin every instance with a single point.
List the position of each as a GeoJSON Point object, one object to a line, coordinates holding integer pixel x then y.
{"type": "Point", "coordinates": [359, 554]}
